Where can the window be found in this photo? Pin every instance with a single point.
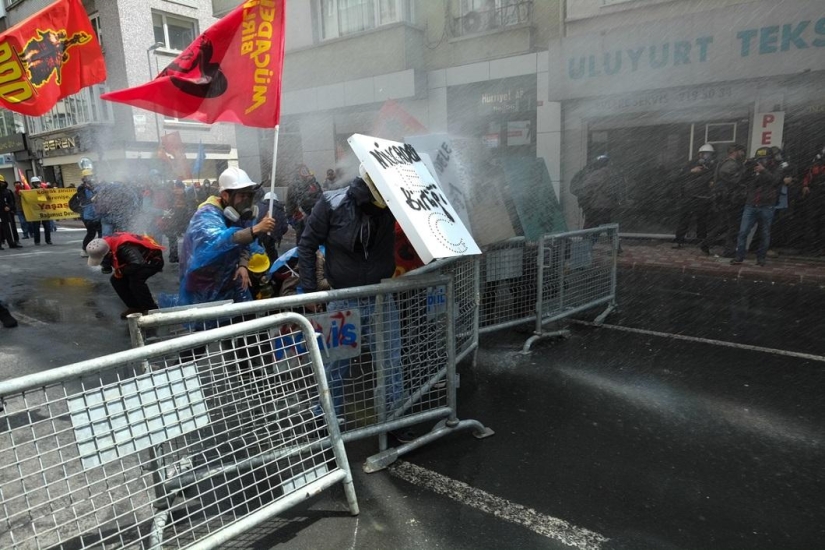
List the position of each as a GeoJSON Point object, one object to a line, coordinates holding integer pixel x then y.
{"type": "Point", "coordinates": [475, 16]}
{"type": "Point", "coordinates": [10, 123]}
{"type": "Point", "coordinates": [95, 20]}
{"type": "Point", "coordinates": [720, 132]}
{"type": "Point", "coordinates": [343, 17]}
{"type": "Point", "coordinates": [176, 33]}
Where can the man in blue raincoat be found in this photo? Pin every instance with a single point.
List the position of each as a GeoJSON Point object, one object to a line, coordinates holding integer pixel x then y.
{"type": "Point", "coordinates": [216, 246]}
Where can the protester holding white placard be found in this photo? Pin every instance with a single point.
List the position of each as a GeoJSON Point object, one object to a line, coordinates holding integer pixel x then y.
{"type": "Point", "coordinates": [357, 229]}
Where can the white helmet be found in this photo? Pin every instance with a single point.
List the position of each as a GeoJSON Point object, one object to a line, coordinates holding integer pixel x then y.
{"type": "Point", "coordinates": [234, 178]}
{"type": "Point", "coordinates": [707, 148]}
{"type": "Point", "coordinates": [271, 196]}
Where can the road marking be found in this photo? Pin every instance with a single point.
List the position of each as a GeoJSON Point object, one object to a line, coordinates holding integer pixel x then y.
{"type": "Point", "coordinates": [722, 343]}
{"type": "Point", "coordinates": [547, 526]}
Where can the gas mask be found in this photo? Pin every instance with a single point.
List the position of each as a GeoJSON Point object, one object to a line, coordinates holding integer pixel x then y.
{"type": "Point", "coordinates": [244, 210]}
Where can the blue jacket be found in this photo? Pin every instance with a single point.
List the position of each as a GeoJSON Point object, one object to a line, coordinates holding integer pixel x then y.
{"type": "Point", "coordinates": [209, 257]}
{"type": "Point", "coordinates": [88, 213]}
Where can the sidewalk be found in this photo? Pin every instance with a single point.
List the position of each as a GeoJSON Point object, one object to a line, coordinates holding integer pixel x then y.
{"type": "Point", "coordinates": [659, 256]}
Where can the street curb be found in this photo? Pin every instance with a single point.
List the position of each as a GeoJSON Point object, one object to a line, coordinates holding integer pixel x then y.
{"type": "Point", "coordinates": [744, 273]}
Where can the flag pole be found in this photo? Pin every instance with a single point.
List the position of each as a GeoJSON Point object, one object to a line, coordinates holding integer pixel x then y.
{"type": "Point", "coordinates": [274, 162]}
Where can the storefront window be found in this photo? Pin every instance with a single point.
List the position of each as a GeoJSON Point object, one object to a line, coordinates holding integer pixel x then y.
{"type": "Point", "coordinates": [501, 114]}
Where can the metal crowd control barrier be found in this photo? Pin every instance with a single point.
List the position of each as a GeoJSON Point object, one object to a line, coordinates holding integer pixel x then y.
{"type": "Point", "coordinates": [517, 281]}
{"type": "Point", "coordinates": [389, 354]}
{"type": "Point", "coordinates": [465, 274]}
{"type": "Point", "coordinates": [576, 271]}
{"type": "Point", "coordinates": [172, 445]}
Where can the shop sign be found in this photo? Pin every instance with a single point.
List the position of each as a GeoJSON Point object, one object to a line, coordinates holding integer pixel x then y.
{"type": "Point", "coordinates": [12, 143]}
{"type": "Point", "coordinates": [415, 198]}
{"type": "Point", "coordinates": [767, 130]}
{"type": "Point", "coordinates": [61, 146]}
{"type": "Point", "coordinates": [751, 40]}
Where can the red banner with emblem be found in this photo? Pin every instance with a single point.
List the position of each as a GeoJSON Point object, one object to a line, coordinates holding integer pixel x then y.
{"type": "Point", "coordinates": [52, 54]}
{"type": "Point", "coordinates": [230, 73]}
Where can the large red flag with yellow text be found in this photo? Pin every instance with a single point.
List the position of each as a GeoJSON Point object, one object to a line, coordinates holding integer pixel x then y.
{"type": "Point", "coordinates": [230, 73]}
{"type": "Point", "coordinates": [52, 54]}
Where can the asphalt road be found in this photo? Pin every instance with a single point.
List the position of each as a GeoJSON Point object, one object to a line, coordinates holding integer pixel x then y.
{"type": "Point", "coordinates": [607, 439]}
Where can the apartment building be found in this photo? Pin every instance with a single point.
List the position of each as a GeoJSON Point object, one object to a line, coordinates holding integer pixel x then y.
{"type": "Point", "coordinates": [139, 38]}
{"type": "Point", "coordinates": [474, 68]}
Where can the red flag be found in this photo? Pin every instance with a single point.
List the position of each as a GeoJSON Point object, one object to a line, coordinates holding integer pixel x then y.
{"type": "Point", "coordinates": [52, 54]}
{"type": "Point", "coordinates": [393, 122]}
{"type": "Point", "coordinates": [230, 73]}
{"type": "Point", "coordinates": [172, 146]}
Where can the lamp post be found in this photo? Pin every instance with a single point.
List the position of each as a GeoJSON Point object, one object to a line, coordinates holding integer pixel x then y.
{"type": "Point", "coordinates": [149, 51]}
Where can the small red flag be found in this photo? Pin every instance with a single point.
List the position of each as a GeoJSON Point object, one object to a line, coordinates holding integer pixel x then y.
{"type": "Point", "coordinates": [230, 73]}
{"type": "Point", "coordinates": [52, 54]}
{"type": "Point", "coordinates": [172, 146]}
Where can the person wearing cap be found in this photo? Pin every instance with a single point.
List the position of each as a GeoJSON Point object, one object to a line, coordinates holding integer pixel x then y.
{"type": "Point", "coordinates": [727, 200]}
{"type": "Point", "coordinates": [134, 258]}
{"type": "Point", "coordinates": [271, 241]}
{"type": "Point", "coordinates": [762, 182]}
{"type": "Point", "coordinates": [216, 247]}
{"type": "Point", "coordinates": [358, 232]}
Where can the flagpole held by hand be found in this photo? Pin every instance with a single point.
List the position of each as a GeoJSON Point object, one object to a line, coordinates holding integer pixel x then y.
{"type": "Point", "coordinates": [274, 162]}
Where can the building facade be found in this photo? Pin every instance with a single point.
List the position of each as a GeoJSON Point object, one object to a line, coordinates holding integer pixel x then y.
{"type": "Point", "coordinates": [649, 81]}
{"type": "Point", "coordinates": [474, 68]}
{"type": "Point", "coordinates": [139, 38]}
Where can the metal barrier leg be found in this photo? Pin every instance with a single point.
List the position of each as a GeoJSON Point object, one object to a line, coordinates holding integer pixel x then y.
{"type": "Point", "coordinates": [383, 459]}
{"type": "Point", "coordinates": [449, 425]}
{"type": "Point", "coordinates": [598, 321]}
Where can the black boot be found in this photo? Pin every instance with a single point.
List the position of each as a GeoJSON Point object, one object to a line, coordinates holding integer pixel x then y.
{"type": "Point", "coordinates": [6, 318]}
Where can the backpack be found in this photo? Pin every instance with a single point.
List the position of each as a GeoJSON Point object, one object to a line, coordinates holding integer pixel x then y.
{"type": "Point", "coordinates": [76, 203]}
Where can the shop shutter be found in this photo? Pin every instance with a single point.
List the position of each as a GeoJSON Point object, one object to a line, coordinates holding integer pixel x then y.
{"type": "Point", "coordinates": [71, 175]}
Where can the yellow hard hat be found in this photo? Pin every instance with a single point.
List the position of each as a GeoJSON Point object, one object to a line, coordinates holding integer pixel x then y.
{"type": "Point", "coordinates": [258, 263]}
{"type": "Point", "coordinates": [86, 172]}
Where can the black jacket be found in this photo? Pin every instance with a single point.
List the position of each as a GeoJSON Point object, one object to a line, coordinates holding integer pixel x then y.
{"type": "Point", "coordinates": [696, 185]}
{"type": "Point", "coordinates": [342, 220]}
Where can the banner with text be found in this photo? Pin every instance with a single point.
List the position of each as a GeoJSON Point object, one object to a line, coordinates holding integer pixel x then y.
{"type": "Point", "coordinates": [47, 204]}
{"type": "Point", "coordinates": [412, 193]}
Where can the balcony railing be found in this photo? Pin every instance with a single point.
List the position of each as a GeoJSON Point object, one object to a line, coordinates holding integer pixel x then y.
{"type": "Point", "coordinates": [84, 107]}
{"type": "Point", "coordinates": [491, 17]}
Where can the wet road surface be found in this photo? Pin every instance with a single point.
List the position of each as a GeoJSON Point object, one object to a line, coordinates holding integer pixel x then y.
{"type": "Point", "coordinates": [643, 441]}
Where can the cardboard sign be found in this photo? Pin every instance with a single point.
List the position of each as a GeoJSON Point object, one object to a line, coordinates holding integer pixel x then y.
{"type": "Point", "coordinates": [411, 192]}
{"type": "Point", "coordinates": [443, 162]}
{"type": "Point", "coordinates": [47, 204]}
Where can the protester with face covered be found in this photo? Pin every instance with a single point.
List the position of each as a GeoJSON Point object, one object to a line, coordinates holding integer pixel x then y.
{"type": "Point", "coordinates": [216, 247]}
{"type": "Point", "coordinates": [358, 231]}
{"type": "Point", "coordinates": [88, 215]}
